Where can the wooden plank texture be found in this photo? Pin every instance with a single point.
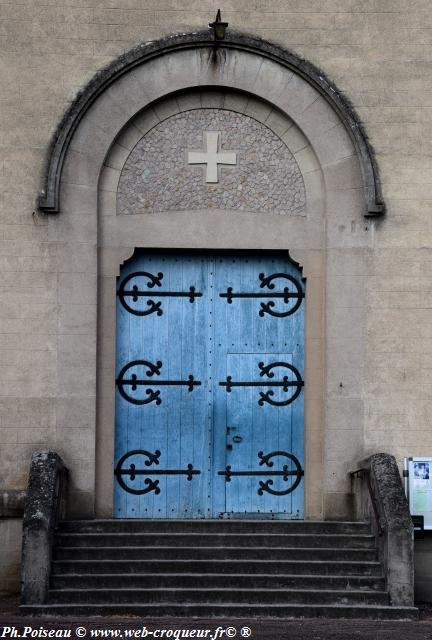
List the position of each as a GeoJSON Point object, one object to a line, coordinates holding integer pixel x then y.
{"type": "Point", "coordinates": [211, 425]}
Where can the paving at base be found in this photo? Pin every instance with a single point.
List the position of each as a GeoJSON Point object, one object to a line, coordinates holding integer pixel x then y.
{"type": "Point", "coordinates": [306, 629]}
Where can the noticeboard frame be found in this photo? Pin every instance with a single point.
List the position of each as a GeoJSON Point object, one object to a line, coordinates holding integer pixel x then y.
{"type": "Point", "coordinates": [418, 487]}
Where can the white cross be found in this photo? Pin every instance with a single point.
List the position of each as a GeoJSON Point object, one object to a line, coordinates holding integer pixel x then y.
{"type": "Point", "coordinates": [211, 157]}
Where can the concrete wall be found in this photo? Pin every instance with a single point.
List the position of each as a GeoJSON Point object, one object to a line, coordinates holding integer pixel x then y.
{"type": "Point", "coordinates": [10, 555]}
{"type": "Point", "coordinates": [378, 333]}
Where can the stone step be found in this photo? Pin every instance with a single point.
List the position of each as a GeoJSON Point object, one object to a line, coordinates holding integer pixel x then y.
{"type": "Point", "coordinates": [215, 580]}
{"type": "Point", "coordinates": [223, 568]}
{"type": "Point", "coordinates": [212, 553]}
{"type": "Point", "coordinates": [204, 539]}
{"type": "Point", "coordinates": [213, 526]}
{"type": "Point", "coordinates": [246, 566]}
{"type": "Point", "coordinates": [210, 596]}
{"type": "Point", "coordinates": [233, 611]}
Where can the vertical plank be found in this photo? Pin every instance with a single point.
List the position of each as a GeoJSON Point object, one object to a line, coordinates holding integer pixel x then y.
{"type": "Point", "coordinates": [223, 323]}
{"type": "Point", "coordinates": [209, 384]}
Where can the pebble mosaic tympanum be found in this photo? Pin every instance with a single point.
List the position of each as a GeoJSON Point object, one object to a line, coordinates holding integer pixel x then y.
{"type": "Point", "coordinates": [255, 170]}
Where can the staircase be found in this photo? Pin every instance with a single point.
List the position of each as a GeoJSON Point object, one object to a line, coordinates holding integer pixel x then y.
{"type": "Point", "coordinates": [217, 568]}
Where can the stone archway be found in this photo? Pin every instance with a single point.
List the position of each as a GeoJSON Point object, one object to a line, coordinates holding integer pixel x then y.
{"type": "Point", "coordinates": [127, 104]}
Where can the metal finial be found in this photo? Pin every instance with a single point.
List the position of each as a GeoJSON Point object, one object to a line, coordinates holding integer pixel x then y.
{"type": "Point", "coordinates": [219, 27]}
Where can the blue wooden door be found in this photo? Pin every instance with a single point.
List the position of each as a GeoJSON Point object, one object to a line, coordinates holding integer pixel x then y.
{"type": "Point", "coordinates": [162, 411]}
{"type": "Point", "coordinates": [259, 397]}
{"type": "Point", "coordinates": [209, 387]}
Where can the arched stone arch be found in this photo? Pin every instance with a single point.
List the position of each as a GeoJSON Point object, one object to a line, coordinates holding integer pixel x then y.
{"type": "Point", "coordinates": [144, 88]}
{"type": "Point", "coordinates": [222, 70]}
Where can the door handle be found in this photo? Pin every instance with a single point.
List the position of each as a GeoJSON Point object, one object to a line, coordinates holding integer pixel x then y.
{"type": "Point", "coordinates": [237, 439]}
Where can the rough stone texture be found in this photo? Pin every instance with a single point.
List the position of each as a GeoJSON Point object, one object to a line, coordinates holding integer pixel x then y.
{"type": "Point", "coordinates": [396, 543]}
{"type": "Point", "coordinates": [157, 176]}
{"type": "Point", "coordinates": [43, 507]}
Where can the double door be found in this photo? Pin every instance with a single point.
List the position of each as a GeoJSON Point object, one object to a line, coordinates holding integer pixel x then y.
{"type": "Point", "coordinates": [209, 386]}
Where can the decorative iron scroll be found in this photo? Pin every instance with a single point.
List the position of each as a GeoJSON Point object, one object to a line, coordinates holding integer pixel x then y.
{"type": "Point", "coordinates": [153, 281]}
{"type": "Point", "coordinates": [285, 384]}
{"type": "Point", "coordinates": [152, 369]}
{"type": "Point", "coordinates": [152, 485]}
{"type": "Point", "coordinates": [266, 459]}
{"type": "Point", "coordinates": [267, 307]}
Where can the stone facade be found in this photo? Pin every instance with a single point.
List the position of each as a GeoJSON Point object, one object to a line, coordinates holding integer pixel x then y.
{"type": "Point", "coordinates": [369, 281]}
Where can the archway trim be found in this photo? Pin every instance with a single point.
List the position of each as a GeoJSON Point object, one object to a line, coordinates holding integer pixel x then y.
{"type": "Point", "coordinates": [49, 199]}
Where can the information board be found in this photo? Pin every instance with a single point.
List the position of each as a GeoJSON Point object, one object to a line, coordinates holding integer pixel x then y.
{"type": "Point", "coordinates": [418, 488]}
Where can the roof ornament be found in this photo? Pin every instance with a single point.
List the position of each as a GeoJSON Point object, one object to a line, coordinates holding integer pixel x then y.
{"type": "Point", "coordinates": [219, 30]}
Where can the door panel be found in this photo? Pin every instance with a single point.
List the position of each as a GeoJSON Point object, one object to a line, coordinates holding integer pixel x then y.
{"type": "Point", "coordinates": [260, 434]}
{"type": "Point", "coordinates": [172, 417]}
{"type": "Point", "coordinates": [189, 328]}
{"type": "Point", "coordinates": [259, 317]}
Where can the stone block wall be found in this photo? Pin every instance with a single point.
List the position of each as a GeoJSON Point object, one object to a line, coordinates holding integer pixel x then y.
{"type": "Point", "coordinates": [379, 53]}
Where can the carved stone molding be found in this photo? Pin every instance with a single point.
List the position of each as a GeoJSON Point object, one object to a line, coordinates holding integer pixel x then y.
{"type": "Point", "coordinates": [49, 198]}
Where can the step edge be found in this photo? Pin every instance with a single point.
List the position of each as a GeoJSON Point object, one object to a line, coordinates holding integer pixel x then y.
{"type": "Point", "coordinates": [223, 589]}
{"type": "Point", "coordinates": [153, 548]}
{"type": "Point", "coordinates": [225, 575]}
{"type": "Point", "coordinates": [218, 520]}
{"type": "Point", "coordinates": [374, 563]}
{"type": "Point", "coordinates": [275, 605]}
{"type": "Point", "coordinates": [211, 533]}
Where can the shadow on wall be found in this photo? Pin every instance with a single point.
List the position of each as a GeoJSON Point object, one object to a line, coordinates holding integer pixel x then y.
{"type": "Point", "coordinates": [423, 568]}
{"type": "Point", "coordinates": [10, 555]}
{"type": "Point", "coordinates": [11, 512]}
